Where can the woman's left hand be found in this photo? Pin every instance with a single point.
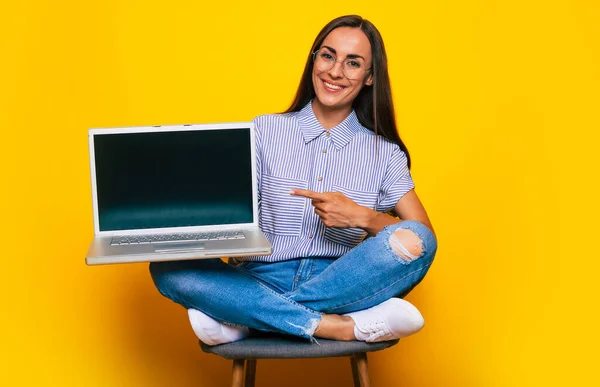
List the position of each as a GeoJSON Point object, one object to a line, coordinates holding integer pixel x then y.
{"type": "Point", "coordinates": [334, 208]}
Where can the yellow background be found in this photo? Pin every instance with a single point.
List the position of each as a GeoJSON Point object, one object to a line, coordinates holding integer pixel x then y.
{"type": "Point", "coordinates": [497, 100]}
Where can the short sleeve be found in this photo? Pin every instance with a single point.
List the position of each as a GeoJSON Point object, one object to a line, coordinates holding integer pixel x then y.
{"type": "Point", "coordinates": [396, 182]}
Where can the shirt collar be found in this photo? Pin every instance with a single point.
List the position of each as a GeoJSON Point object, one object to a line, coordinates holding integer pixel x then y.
{"type": "Point", "coordinates": [340, 135]}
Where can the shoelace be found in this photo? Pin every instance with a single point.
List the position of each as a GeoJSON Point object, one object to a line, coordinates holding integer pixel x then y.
{"type": "Point", "coordinates": [376, 329]}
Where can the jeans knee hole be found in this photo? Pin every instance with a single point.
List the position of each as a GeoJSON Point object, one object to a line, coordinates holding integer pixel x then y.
{"type": "Point", "coordinates": [406, 244]}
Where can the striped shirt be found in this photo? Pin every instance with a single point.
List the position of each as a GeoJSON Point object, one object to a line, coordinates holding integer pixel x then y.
{"type": "Point", "coordinates": [295, 151]}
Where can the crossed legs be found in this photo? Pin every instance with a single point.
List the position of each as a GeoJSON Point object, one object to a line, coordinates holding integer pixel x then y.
{"type": "Point", "coordinates": [381, 267]}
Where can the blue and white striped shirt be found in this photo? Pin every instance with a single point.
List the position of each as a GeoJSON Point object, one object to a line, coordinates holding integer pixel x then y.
{"type": "Point", "coordinates": [295, 151]}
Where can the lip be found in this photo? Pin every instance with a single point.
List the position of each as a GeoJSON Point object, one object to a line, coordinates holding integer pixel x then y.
{"type": "Point", "coordinates": [323, 81]}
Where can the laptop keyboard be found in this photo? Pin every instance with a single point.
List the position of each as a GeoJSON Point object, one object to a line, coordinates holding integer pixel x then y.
{"type": "Point", "coordinates": [176, 238]}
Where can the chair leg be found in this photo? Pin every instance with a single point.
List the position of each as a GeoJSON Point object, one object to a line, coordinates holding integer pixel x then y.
{"type": "Point", "coordinates": [354, 371]}
{"type": "Point", "coordinates": [250, 372]}
{"type": "Point", "coordinates": [360, 371]}
{"type": "Point", "coordinates": [238, 373]}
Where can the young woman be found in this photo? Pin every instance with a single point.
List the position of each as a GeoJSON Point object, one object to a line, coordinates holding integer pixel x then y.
{"type": "Point", "coordinates": [330, 169]}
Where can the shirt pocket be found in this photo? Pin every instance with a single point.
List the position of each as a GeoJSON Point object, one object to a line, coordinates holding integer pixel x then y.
{"type": "Point", "coordinates": [351, 236]}
{"type": "Point", "coordinates": [281, 213]}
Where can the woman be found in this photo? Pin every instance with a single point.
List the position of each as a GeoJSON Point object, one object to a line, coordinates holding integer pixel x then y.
{"type": "Point", "coordinates": [330, 168]}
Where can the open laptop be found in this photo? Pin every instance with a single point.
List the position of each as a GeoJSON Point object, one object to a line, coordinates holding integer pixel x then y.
{"type": "Point", "coordinates": [174, 192]}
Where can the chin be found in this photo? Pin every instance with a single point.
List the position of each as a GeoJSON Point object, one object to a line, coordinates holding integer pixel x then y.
{"type": "Point", "coordinates": [334, 101]}
{"type": "Point", "coordinates": [324, 99]}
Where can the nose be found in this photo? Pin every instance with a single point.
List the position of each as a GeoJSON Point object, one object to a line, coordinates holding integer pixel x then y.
{"type": "Point", "coordinates": [336, 70]}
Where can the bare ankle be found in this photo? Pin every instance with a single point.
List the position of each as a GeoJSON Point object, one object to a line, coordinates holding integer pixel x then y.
{"type": "Point", "coordinates": [333, 326]}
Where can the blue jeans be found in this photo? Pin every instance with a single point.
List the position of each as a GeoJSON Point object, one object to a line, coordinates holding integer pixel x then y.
{"type": "Point", "coordinates": [290, 296]}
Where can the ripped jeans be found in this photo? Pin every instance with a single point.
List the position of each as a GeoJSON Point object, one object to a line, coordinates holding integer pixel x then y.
{"type": "Point", "coordinates": [290, 296]}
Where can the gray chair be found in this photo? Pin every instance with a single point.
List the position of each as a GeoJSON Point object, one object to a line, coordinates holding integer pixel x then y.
{"type": "Point", "coordinates": [244, 354]}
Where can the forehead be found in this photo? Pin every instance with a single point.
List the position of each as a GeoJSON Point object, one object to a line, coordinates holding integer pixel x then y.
{"type": "Point", "coordinates": [348, 40]}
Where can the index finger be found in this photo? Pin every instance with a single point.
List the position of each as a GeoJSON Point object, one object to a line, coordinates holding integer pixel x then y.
{"type": "Point", "coordinates": [307, 194]}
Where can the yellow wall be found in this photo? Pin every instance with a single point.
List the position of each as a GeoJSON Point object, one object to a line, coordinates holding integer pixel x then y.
{"type": "Point", "coordinates": [497, 100]}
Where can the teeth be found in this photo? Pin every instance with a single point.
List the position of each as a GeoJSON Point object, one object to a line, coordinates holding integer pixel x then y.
{"type": "Point", "coordinates": [332, 86]}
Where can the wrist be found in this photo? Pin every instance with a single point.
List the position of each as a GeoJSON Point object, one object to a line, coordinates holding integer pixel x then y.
{"type": "Point", "coordinates": [364, 218]}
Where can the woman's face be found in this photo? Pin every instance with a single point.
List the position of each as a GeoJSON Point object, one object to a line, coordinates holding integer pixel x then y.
{"type": "Point", "coordinates": [349, 47]}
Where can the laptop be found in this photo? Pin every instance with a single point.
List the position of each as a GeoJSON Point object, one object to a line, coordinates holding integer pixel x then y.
{"type": "Point", "coordinates": [167, 193]}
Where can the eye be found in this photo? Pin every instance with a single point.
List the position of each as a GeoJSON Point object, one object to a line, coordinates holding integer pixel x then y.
{"type": "Point", "coordinates": [353, 64]}
{"type": "Point", "coordinates": [327, 56]}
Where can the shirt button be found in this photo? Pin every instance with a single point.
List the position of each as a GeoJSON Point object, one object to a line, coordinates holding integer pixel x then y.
{"type": "Point", "coordinates": [327, 134]}
{"type": "Point", "coordinates": [311, 236]}
{"type": "Point", "coordinates": [320, 178]}
{"type": "Point", "coordinates": [324, 150]}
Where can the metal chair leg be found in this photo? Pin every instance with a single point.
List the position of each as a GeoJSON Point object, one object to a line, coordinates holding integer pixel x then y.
{"type": "Point", "coordinates": [238, 373]}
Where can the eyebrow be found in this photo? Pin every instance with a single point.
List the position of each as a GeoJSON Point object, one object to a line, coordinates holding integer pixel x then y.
{"type": "Point", "coordinates": [351, 56]}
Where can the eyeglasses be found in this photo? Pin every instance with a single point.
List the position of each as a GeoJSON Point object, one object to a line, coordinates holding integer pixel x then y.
{"type": "Point", "coordinates": [352, 68]}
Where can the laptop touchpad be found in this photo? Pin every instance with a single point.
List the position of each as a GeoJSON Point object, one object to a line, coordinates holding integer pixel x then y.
{"type": "Point", "coordinates": [175, 247]}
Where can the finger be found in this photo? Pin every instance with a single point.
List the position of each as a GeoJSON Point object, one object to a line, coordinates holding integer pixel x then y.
{"type": "Point", "coordinates": [308, 194]}
{"type": "Point", "coordinates": [320, 204]}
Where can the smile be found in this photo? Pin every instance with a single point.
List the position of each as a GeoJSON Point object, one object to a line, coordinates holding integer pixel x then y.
{"type": "Point", "coordinates": [332, 86]}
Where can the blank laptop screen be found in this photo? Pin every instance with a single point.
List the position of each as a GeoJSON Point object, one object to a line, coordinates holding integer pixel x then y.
{"type": "Point", "coordinates": [173, 179]}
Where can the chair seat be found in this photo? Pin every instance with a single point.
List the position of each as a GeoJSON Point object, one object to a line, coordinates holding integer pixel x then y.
{"type": "Point", "coordinates": [287, 347]}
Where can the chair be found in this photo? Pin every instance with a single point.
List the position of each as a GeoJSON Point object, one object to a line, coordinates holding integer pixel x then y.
{"type": "Point", "coordinates": [244, 354]}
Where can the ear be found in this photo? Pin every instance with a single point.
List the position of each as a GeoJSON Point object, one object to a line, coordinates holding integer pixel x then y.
{"type": "Point", "coordinates": [369, 80]}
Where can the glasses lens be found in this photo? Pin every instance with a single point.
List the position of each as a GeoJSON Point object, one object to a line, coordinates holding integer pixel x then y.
{"type": "Point", "coordinates": [354, 68]}
{"type": "Point", "coordinates": [324, 59]}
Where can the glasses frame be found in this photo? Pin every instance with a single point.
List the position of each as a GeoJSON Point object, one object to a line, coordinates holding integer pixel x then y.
{"type": "Point", "coordinates": [314, 55]}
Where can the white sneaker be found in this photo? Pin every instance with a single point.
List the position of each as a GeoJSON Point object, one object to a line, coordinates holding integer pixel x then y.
{"type": "Point", "coordinates": [213, 332]}
{"type": "Point", "coordinates": [390, 320]}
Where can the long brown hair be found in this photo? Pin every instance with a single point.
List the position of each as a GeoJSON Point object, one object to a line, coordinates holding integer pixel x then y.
{"type": "Point", "coordinates": [373, 105]}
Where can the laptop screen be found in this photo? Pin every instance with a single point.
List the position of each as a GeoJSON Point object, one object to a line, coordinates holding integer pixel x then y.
{"type": "Point", "coordinates": [173, 179]}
